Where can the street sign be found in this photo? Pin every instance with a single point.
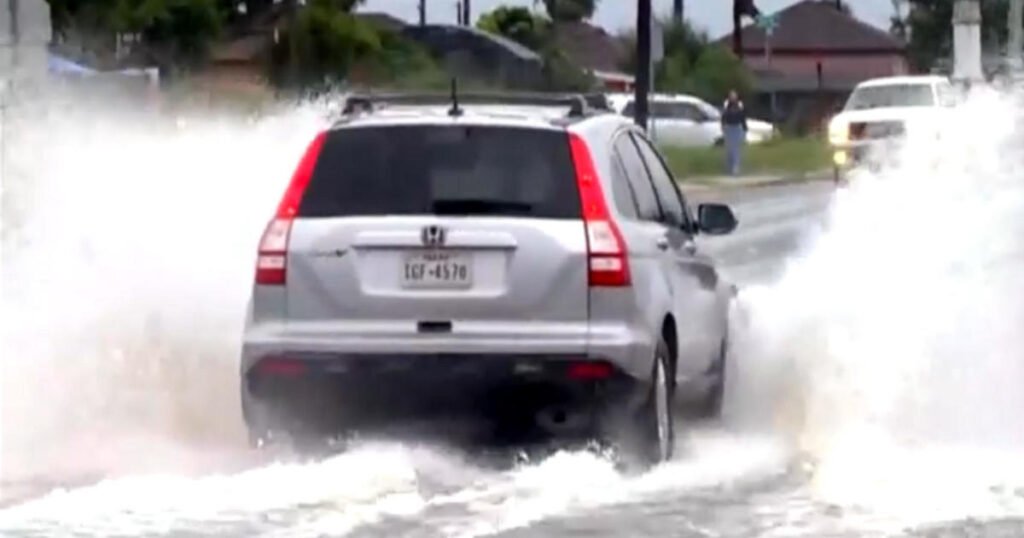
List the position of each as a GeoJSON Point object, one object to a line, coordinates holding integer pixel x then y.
{"type": "Point", "coordinates": [768, 23]}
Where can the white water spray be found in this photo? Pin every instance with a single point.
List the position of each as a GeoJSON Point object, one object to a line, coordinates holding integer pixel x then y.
{"type": "Point", "coordinates": [887, 353]}
{"type": "Point", "coordinates": [128, 251]}
{"type": "Point", "coordinates": [890, 352]}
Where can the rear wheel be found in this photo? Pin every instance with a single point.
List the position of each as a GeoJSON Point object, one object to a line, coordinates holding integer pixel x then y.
{"type": "Point", "coordinates": [650, 437]}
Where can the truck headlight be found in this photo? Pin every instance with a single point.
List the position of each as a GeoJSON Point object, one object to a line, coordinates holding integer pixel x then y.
{"type": "Point", "coordinates": [838, 133]}
{"type": "Point", "coordinates": [840, 158]}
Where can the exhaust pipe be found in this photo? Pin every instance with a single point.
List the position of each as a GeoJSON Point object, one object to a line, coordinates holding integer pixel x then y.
{"type": "Point", "coordinates": [559, 420]}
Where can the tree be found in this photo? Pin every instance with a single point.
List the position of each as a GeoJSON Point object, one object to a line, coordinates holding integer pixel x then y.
{"type": "Point", "coordinates": [716, 71]}
{"type": "Point", "coordinates": [930, 23]}
{"type": "Point", "coordinates": [327, 46]}
{"type": "Point", "coordinates": [570, 10]}
{"type": "Point", "coordinates": [177, 33]}
{"type": "Point", "coordinates": [537, 33]}
{"type": "Point", "coordinates": [693, 65]}
{"type": "Point", "coordinates": [516, 23]}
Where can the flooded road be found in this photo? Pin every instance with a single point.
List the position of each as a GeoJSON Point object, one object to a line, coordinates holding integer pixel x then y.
{"type": "Point", "coordinates": [874, 386]}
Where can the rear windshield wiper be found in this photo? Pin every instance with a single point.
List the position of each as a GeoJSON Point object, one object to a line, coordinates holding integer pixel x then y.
{"type": "Point", "coordinates": [468, 206]}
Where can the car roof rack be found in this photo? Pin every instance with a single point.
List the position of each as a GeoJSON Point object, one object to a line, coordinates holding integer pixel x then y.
{"type": "Point", "coordinates": [579, 105]}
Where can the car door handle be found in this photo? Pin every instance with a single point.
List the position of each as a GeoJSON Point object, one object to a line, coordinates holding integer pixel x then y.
{"type": "Point", "coordinates": [662, 243]}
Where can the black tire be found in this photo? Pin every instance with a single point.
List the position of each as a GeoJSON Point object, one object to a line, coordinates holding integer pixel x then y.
{"type": "Point", "coordinates": [650, 437]}
{"type": "Point", "coordinates": [271, 427]}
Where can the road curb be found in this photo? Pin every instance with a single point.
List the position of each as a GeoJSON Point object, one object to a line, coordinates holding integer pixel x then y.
{"type": "Point", "coordinates": [740, 183]}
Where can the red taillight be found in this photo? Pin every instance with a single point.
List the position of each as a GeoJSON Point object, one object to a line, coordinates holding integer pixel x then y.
{"type": "Point", "coordinates": [606, 250]}
{"type": "Point", "coordinates": [588, 371]}
{"type": "Point", "coordinates": [271, 262]}
{"type": "Point", "coordinates": [280, 367]}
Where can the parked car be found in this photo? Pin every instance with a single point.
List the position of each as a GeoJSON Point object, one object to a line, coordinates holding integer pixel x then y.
{"type": "Point", "coordinates": [881, 111]}
{"type": "Point", "coordinates": [498, 261]}
{"type": "Point", "coordinates": [688, 121]}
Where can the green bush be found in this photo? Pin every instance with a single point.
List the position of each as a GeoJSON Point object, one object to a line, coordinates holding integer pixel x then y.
{"type": "Point", "coordinates": [325, 48]}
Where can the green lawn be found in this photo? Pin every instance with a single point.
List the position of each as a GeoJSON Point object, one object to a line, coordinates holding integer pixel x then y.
{"type": "Point", "coordinates": [795, 156]}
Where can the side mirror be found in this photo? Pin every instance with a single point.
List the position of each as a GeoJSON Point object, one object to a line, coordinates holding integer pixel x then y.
{"type": "Point", "coordinates": [715, 219]}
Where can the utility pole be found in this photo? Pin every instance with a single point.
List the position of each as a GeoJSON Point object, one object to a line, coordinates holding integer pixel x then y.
{"type": "Point", "coordinates": [967, 42]}
{"type": "Point", "coordinates": [739, 9]}
{"type": "Point", "coordinates": [643, 62]}
{"type": "Point", "coordinates": [466, 10]}
{"type": "Point", "coordinates": [677, 12]}
{"type": "Point", "coordinates": [423, 12]}
{"type": "Point", "coordinates": [1015, 41]}
{"type": "Point", "coordinates": [292, 7]}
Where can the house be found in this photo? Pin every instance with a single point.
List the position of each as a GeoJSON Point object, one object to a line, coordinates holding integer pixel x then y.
{"type": "Point", "coordinates": [468, 53]}
{"type": "Point", "coordinates": [816, 55]}
{"type": "Point", "coordinates": [239, 63]}
{"type": "Point", "coordinates": [596, 51]}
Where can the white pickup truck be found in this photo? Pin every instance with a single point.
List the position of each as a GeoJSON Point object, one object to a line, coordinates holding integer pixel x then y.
{"type": "Point", "coordinates": [881, 111]}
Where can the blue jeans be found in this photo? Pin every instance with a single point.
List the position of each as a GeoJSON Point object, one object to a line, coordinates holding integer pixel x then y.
{"type": "Point", "coordinates": [734, 136]}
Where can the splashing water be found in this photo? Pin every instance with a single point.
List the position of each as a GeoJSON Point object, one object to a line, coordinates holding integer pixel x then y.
{"type": "Point", "coordinates": [129, 247]}
{"type": "Point", "coordinates": [128, 252]}
{"type": "Point", "coordinates": [890, 352]}
{"type": "Point", "coordinates": [887, 356]}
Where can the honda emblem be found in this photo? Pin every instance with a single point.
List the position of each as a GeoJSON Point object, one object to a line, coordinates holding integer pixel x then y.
{"type": "Point", "coordinates": [433, 236]}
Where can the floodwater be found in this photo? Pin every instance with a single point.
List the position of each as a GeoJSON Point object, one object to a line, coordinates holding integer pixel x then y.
{"type": "Point", "coordinates": [875, 384]}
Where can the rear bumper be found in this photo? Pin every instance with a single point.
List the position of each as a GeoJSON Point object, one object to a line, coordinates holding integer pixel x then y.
{"type": "Point", "coordinates": [518, 395]}
{"type": "Point", "coordinates": [629, 348]}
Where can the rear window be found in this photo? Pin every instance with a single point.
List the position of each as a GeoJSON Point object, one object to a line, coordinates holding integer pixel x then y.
{"type": "Point", "coordinates": [891, 95]}
{"type": "Point", "coordinates": [443, 170]}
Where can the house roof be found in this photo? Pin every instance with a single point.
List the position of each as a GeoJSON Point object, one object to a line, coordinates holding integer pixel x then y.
{"type": "Point", "coordinates": [449, 37]}
{"type": "Point", "coordinates": [589, 46]}
{"type": "Point", "coordinates": [817, 26]}
{"type": "Point", "coordinates": [382, 20]}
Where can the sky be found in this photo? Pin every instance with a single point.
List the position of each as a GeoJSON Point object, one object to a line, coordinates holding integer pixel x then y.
{"type": "Point", "coordinates": [715, 16]}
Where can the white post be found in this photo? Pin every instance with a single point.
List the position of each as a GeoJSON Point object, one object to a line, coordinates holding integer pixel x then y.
{"type": "Point", "coordinates": [1015, 42]}
{"type": "Point", "coordinates": [25, 33]}
{"type": "Point", "coordinates": [967, 41]}
{"type": "Point", "coordinates": [657, 54]}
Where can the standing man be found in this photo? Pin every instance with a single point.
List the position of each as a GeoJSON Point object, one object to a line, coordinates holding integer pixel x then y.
{"type": "Point", "coordinates": [734, 131]}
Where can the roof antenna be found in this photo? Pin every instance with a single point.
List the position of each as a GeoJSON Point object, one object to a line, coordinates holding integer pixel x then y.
{"type": "Point", "coordinates": [455, 111]}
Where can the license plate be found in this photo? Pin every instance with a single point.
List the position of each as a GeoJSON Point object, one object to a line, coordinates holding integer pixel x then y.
{"type": "Point", "coordinates": [437, 270]}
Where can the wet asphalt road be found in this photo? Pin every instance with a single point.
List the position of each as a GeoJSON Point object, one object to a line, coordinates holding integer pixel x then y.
{"type": "Point", "coordinates": [724, 484]}
{"type": "Point", "coordinates": [773, 220]}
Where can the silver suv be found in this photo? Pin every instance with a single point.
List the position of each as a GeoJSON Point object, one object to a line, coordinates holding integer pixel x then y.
{"type": "Point", "coordinates": [521, 259]}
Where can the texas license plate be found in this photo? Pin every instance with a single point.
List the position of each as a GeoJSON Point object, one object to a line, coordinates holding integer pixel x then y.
{"type": "Point", "coordinates": [437, 270]}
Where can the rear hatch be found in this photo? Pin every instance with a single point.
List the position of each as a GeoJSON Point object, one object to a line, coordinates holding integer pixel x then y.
{"type": "Point", "coordinates": [405, 228]}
